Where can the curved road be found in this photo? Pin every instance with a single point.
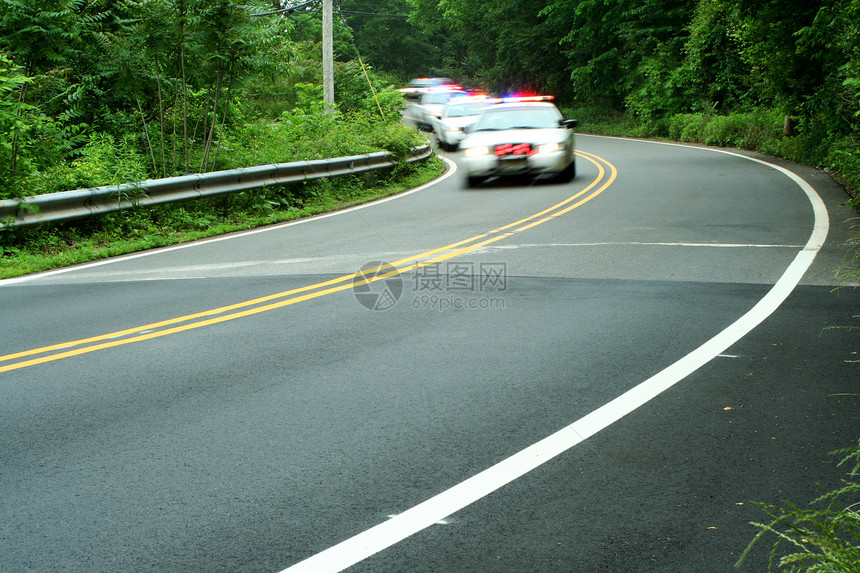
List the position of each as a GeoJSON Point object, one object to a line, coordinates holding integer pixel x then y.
{"type": "Point", "coordinates": [599, 376]}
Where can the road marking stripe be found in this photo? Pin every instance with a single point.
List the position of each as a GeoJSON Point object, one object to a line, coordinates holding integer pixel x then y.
{"type": "Point", "coordinates": [653, 244]}
{"type": "Point", "coordinates": [156, 330]}
{"type": "Point", "coordinates": [410, 522]}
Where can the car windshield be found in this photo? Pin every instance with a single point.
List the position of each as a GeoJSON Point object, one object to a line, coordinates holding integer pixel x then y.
{"type": "Point", "coordinates": [440, 97]}
{"type": "Point", "coordinates": [464, 109]}
{"type": "Point", "coordinates": [518, 118]}
{"type": "Point", "coordinates": [429, 82]}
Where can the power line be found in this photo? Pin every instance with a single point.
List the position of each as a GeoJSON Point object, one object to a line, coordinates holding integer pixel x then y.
{"type": "Point", "coordinates": [370, 8]}
{"type": "Point", "coordinates": [289, 8]}
{"type": "Point", "coordinates": [310, 8]}
{"type": "Point", "coordinates": [401, 9]}
{"type": "Point", "coordinates": [354, 13]}
{"type": "Point", "coordinates": [366, 3]}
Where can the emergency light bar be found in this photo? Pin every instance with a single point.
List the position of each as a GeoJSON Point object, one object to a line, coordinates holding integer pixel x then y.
{"type": "Point", "coordinates": [520, 99]}
{"type": "Point", "coordinates": [474, 98]}
{"type": "Point", "coordinates": [517, 99]}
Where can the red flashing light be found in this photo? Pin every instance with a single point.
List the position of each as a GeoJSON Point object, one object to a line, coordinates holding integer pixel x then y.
{"type": "Point", "coordinates": [446, 88]}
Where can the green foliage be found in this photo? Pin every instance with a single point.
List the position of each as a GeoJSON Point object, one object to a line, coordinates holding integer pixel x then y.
{"type": "Point", "coordinates": [11, 121]}
{"type": "Point", "coordinates": [655, 59]}
{"type": "Point", "coordinates": [102, 161]}
{"type": "Point", "coordinates": [393, 44]}
{"type": "Point", "coordinates": [758, 130]}
{"type": "Point", "coordinates": [359, 90]}
{"type": "Point", "coordinates": [712, 76]}
{"type": "Point", "coordinates": [387, 135]}
{"type": "Point", "coordinates": [620, 50]}
{"type": "Point", "coordinates": [844, 158]}
{"type": "Point", "coordinates": [818, 540]}
{"type": "Point", "coordinates": [688, 127]}
{"type": "Point", "coordinates": [750, 130]}
{"type": "Point", "coordinates": [307, 132]}
{"type": "Point", "coordinates": [38, 38]}
{"type": "Point", "coordinates": [11, 81]}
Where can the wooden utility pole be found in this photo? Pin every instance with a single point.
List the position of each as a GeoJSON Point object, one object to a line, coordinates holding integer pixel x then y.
{"type": "Point", "coordinates": [328, 54]}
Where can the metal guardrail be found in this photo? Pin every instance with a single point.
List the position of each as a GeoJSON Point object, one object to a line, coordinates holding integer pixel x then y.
{"type": "Point", "coordinates": [68, 205]}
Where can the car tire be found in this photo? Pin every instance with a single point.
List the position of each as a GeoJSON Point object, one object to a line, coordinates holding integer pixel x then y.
{"type": "Point", "coordinates": [567, 174]}
{"type": "Point", "coordinates": [474, 180]}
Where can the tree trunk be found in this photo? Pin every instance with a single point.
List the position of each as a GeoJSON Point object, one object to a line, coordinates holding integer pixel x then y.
{"type": "Point", "coordinates": [788, 127]}
{"type": "Point", "coordinates": [161, 119]}
{"type": "Point", "coordinates": [146, 133]}
{"type": "Point", "coordinates": [13, 164]}
{"type": "Point", "coordinates": [184, 87]}
{"type": "Point", "coordinates": [209, 137]}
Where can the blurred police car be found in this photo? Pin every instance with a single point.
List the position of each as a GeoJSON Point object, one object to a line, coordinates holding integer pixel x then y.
{"type": "Point", "coordinates": [419, 86]}
{"type": "Point", "coordinates": [449, 127]}
{"type": "Point", "coordinates": [429, 106]}
{"type": "Point", "coordinates": [519, 136]}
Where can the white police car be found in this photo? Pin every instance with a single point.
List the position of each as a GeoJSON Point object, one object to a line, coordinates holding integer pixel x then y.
{"type": "Point", "coordinates": [429, 107]}
{"type": "Point", "coordinates": [449, 127]}
{"type": "Point", "coordinates": [420, 86]}
{"type": "Point", "coordinates": [520, 136]}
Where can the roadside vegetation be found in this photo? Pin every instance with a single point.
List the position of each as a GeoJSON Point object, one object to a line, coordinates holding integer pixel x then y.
{"type": "Point", "coordinates": [824, 538]}
{"type": "Point", "coordinates": [105, 92]}
{"type": "Point", "coordinates": [99, 92]}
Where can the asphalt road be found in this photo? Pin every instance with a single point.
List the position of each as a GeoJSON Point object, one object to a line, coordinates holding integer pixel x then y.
{"type": "Point", "coordinates": [245, 404]}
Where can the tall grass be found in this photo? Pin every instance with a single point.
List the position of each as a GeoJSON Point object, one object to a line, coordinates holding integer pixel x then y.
{"type": "Point", "coordinates": [820, 540]}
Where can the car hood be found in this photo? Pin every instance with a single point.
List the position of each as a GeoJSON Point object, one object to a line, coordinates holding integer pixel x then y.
{"type": "Point", "coordinates": [533, 136]}
{"type": "Point", "coordinates": [433, 108]}
{"type": "Point", "coordinates": [461, 121]}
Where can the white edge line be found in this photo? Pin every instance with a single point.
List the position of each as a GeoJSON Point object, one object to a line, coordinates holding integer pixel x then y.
{"type": "Point", "coordinates": [452, 168]}
{"type": "Point", "coordinates": [822, 221]}
{"type": "Point", "coordinates": [425, 514]}
{"type": "Point", "coordinates": [643, 244]}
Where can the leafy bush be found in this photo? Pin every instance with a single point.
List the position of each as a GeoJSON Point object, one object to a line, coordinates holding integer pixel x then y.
{"type": "Point", "coordinates": [844, 158]}
{"type": "Point", "coordinates": [307, 132]}
{"type": "Point", "coordinates": [600, 120]}
{"type": "Point", "coordinates": [744, 130]}
{"type": "Point", "coordinates": [689, 127]}
{"type": "Point", "coordinates": [102, 162]}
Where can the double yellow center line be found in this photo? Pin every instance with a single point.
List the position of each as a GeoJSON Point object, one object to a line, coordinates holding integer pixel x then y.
{"type": "Point", "coordinates": [606, 176]}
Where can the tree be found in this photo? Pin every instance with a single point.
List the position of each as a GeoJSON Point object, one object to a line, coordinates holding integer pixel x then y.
{"type": "Point", "coordinates": [713, 76]}
{"type": "Point", "coordinates": [616, 47]}
{"type": "Point", "coordinates": [500, 46]}
{"type": "Point", "coordinates": [387, 39]}
{"type": "Point", "coordinates": [832, 43]}
{"type": "Point", "coordinates": [40, 41]}
{"type": "Point", "coordinates": [12, 109]}
{"type": "Point", "coordinates": [767, 32]}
